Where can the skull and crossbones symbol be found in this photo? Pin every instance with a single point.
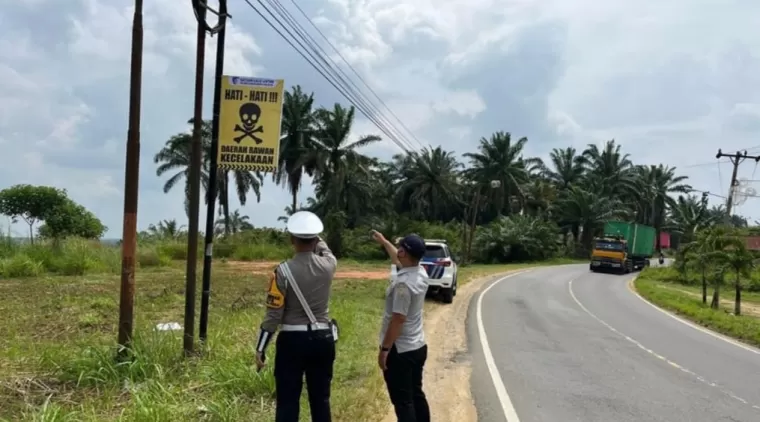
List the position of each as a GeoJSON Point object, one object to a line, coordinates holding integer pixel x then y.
{"type": "Point", "coordinates": [250, 113]}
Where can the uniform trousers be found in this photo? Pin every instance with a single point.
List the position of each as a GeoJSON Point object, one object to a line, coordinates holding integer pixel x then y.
{"type": "Point", "coordinates": [299, 353]}
{"type": "Point", "coordinates": [403, 378]}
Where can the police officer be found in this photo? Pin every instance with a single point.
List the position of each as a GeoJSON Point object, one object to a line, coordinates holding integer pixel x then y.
{"type": "Point", "coordinates": [297, 303]}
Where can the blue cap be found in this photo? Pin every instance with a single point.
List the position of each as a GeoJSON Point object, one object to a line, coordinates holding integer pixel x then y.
{"type": "Point", "coordinates": [413, 245]}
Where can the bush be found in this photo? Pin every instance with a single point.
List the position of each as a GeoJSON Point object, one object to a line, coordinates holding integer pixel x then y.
{"type": "Point", "coordinates": [516, 238]}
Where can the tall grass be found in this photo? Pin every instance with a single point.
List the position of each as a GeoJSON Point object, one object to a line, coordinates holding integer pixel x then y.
{"type": "Point", "coordinates": [79, 256]}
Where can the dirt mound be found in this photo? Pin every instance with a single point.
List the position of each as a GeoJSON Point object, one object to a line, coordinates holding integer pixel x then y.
{"type": "Point", "coordinates": [265, 267]}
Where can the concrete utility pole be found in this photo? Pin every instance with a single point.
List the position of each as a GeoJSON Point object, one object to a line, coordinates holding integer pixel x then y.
{"type": "Point", "coordinates": [131, 185]}
{"type": "Point", "coordinates": [213, 170]}
{"type": "Point", "coordinates": [737, 158]}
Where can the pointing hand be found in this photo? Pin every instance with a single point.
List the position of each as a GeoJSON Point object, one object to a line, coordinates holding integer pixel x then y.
{"type": "Point", "coordinates": [377, 236]}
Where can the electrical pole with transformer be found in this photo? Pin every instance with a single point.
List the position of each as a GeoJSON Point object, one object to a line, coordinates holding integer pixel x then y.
{"type": "Point", "coordinates": [736, 158]}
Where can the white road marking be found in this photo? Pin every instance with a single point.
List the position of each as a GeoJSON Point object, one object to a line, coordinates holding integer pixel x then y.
{"type": "Point", "coordinates": [692, 325]}
{"type": "Point", "coordinates": [501, 391]}
{"type": "Point", "coordinates": [655, 354]}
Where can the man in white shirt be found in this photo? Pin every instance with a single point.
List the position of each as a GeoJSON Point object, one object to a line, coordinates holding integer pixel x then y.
{"type": "Point", "coordinates": [402, 339]}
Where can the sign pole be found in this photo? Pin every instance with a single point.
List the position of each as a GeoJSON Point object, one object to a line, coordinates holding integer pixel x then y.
{"type": "Point", "coordinates": [131, 187]}
{"type": "Point", "coordinates": [196, 157]}
{"type": "Point", "coordinates": [213, 173]}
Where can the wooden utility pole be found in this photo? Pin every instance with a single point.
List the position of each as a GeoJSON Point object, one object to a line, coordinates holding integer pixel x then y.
{"type": "Point", "coordinates": [737, 158]}
{"type": "Point", "coordinates": [131, 185]}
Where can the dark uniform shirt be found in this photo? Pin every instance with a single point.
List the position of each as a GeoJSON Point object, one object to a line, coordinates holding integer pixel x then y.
{"type": "Point", "coordinates": [314, 272]}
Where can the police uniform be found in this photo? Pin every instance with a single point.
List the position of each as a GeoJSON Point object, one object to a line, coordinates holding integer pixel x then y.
{"type": "Point", "coordinates": [306, 342]}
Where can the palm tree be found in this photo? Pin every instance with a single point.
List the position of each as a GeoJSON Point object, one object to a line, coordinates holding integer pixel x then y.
{"type": "Point", "coordinates": [567, 167]}
{"type": "Point", "coordinates": [336, 159]}
{"type": "Point", "coordinates": [742, 262]}
{"type": "Point", "coordinates": [688, 215]}
{"type": "Point", "coordinates": [175, 156]}
{"type": "Point", "coordinates": [431, 185]}
{"type": "Point", "coordinates": [588, 211]}
{"type": "Point", "coordinates": [656, 185]}
{"type": "Point", "coordinates": [609, 171]}
{"type": "Point", "coordinates": [298, 130]}
{"type": "Point", "coordinates": [236, 222]}
{"type": "Point", "coordinates": [166, 229]}
{"type": "Point", "coordinates": [498, 158]}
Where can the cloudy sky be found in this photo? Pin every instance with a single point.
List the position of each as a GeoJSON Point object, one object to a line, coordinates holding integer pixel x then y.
{"type": "Point", "coordinates": [672, 81]}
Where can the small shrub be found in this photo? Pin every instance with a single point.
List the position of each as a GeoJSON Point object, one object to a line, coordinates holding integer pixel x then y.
{"type": "Point", "coordinates": [19, 266]}
{"type": "Point", "coordinates": [150, 257]}
{"type": "Point", "coordinates": [173, 249]}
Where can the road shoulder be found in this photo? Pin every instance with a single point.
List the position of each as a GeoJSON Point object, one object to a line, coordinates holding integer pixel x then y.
{"type": "Point", "coordinates": [448, 370]}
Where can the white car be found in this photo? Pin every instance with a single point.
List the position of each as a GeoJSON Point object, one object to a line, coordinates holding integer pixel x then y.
{"type": "Point", "coordinates": [441, 268]}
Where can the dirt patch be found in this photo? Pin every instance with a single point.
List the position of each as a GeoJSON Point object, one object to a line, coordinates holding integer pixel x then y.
{"type": "Point", "coordinates": [265, 267]}
{"type": "Point", "coordinates": [749, 309]}
{"type": "Point", "coordinates": [448, 369]}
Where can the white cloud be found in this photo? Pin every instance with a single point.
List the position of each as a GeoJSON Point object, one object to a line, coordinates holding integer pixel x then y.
{"type": "Point", "coordinates": [672, 81]}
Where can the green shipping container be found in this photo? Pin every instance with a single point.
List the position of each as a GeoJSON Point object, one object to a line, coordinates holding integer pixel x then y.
{"type": "Point", "coordinates": [640, 238]}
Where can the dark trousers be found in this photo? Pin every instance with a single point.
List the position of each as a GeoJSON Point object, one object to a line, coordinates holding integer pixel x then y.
{"type": "Point", "coordinates": [403, 377]}
{"type": "Point", "coordinates": [299, 353]}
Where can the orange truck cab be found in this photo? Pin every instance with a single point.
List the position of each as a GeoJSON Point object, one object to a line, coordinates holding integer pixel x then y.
{"type": "Point", "coordinates": [624, 247]}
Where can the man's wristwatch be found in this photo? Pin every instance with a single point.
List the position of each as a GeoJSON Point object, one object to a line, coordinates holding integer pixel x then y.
{"type": "Point", "coordinates": [385, 349]}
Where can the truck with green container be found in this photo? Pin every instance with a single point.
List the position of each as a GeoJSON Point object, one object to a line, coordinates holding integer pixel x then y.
{"type": "Point", "coordinates": [624, 247]}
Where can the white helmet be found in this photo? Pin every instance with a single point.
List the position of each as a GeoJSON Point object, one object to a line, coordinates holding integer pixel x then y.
{"type": "Point", "coordinates": [305, 225]}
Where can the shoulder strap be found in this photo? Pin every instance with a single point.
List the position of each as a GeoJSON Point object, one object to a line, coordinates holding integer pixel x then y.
{"type": "Point", "coordinates": [285, 270]}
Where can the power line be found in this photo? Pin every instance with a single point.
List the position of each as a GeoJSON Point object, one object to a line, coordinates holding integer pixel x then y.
{"type": "Point", "coordinates": [711, 163]}
{"type": "Point", "coordinates": [707, 192]}
{"type": "Point", "coordinates": [324, 71]}
{"type": "Point", "coordinates": [353, 70]}
{"type": "Point", "coordinates": [333, 68]}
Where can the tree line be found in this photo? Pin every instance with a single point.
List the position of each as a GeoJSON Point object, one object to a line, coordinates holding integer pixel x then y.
{"type": "Point", "coordinates": [574, 190]}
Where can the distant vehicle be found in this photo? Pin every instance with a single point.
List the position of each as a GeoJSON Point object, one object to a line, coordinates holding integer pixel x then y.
{"type": "Point", "coordinates": [625, 247]}
{"type": "Point", "coordinates": [664, 240]}
{"type": "Point", "coordinates": [441, 268]}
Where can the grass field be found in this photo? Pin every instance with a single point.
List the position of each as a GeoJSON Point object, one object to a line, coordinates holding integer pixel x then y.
{"type": "Point", "coordinates": [686, 300]}
{"type": "Point", "coordinates": [58, 334]}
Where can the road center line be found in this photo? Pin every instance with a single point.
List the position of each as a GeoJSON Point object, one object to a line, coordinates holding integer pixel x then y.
{"type": "Point", "coordinates": [501, 391]}
{"type": "Point", "coordinates": [655, 354]}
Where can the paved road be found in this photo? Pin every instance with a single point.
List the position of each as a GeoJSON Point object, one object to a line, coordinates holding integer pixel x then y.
{"type": "Point", "coordinates": [570, 345]}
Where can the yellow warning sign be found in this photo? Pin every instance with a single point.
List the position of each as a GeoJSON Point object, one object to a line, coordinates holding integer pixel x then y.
{"type": "Point", "coordinates": [249, 123]}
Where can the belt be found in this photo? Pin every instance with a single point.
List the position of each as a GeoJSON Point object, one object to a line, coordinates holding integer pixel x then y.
{"type": "Point", "coordinates": [305, 327]}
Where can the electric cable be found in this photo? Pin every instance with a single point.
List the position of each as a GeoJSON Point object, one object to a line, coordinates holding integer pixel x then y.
{"type": "Point", "coordinates": [324, 37]}
{"type": "Point", "coordinates": [324, 73]}
{"type": "Point", "coordinates": [334, 69]}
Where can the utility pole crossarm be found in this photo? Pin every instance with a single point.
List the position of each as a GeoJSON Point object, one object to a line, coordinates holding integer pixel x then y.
{"type": "Point", "coordinates": [736, 158]}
